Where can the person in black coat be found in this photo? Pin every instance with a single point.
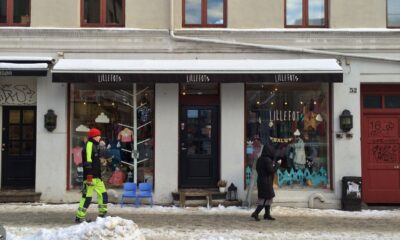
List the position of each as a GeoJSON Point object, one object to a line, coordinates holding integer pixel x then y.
{"type": "Point", "coordinates": [266, 167]}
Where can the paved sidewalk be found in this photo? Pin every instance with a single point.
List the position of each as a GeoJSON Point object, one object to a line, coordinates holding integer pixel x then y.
{"type": "Point", "coordinates": [167, 223]}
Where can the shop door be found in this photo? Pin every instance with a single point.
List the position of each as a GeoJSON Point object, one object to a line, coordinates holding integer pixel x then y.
{"type": "Point", "coordinates": [380, 147]}
{"type": "Point", "coordinates": [199, 147]}
{"type": "Point", "coordinates": [18, 147]}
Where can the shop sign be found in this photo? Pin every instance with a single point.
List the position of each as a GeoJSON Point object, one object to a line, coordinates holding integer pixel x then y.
{"type": "Point", "coordinates": [5, 73]}
{"type": "Point", "coordinates": [284, 115]}
{"type": "Point", "coordinates": [17, 94]}
{"type": "Point", "coordinates": [109, 78]}
{"type": "Point", "coordinates": [197, 78]}
{"type": "Point", "coordinates": [288, 77]}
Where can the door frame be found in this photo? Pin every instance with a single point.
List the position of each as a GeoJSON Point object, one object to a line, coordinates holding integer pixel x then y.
{"type": "Point", "coordinates": [199, 101]}
{"type": "Point", "coordinates": [3, 136]}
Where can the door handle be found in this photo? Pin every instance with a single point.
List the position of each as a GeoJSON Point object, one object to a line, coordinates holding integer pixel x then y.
{"type": "Point", "coordinates": [183, 148]}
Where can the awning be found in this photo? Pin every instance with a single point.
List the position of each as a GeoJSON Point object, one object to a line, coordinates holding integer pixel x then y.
{"type": "Point", "coordinates": [196, 71]}
{"type": "Point", "coordinates": [24, 66]}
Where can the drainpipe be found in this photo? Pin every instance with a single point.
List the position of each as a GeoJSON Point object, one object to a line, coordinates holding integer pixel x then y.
{"type": "Point", "coordinates": [336, 55]}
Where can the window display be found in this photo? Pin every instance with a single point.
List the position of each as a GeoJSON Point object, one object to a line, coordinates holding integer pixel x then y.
{"type": "Point", "coordinates": [293, 118]}
{"type": "Point", "coordinates": [113, 109]}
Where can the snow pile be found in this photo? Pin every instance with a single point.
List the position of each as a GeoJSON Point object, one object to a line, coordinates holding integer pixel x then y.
{"type": "Point", "coordinates": [103, 228]}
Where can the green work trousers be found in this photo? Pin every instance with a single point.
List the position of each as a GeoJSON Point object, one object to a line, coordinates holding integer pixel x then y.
{"type": "Point", "coordinates": [87, 193]}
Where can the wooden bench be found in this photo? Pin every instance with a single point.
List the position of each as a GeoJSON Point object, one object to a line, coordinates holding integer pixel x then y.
{"type": "Point", "coordinates": [183, 194]}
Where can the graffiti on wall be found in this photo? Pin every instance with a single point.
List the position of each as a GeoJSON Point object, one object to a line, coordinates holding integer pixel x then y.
{"type": "Point", "coordinates": [385, 152]}
{"type": "Point", "coordinates": [17, 94]}
{"type": "Point", "coordinates": [382, 128]}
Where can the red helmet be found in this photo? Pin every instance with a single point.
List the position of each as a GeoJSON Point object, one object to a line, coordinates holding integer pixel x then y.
{"type": "Point", "coordinates": [94, 132]}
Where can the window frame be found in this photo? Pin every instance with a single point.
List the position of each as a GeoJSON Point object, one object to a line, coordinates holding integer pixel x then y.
{"type": "Point", "coordinates": [10, 15]}
{"type": "Point", "coordinates": [305, 23]}
{"type": "Point", "coordinates": [387, 17]}
{"type": "Point", "coordinates": [103, 4]}
{"type": "Point", "coordinates": [204, 23]}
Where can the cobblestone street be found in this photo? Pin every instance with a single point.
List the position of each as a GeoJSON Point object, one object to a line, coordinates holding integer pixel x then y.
{"type": "Point", "coordinates": [195, 223]}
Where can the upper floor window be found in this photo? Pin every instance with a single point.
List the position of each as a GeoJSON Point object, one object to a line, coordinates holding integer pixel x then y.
{"type": "Point", "coordinates": [306, 13]}
{"type": "Point", "coordinates": [393, 13]}
{"type": "Point", "coordinates": [14, 12]}
{"type": "Point", "coordinates": [204, 13]}
{"type": "Point", "coordinates": [102, 13]}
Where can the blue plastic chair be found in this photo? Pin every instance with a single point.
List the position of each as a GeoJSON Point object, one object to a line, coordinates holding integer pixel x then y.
{"type": "Point", "coordinates": [129, 192]}
{"type": "Point", "coordinates": [145, 191]}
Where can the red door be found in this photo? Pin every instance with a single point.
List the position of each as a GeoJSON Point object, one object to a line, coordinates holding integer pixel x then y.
{"type": "Point", "coordinates": [380, 144]}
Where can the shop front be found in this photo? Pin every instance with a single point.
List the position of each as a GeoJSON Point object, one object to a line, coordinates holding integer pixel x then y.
{"type": "Point", "coordinates": [179, 123]}
{"type": "Point", "coordinates": [18, 99]}
{"type": "Point", "coordinates": [294, 118]}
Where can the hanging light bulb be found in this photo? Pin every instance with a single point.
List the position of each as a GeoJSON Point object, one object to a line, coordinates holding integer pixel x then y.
{"type": "Point", "coordinates": [301, 102]}
{"type": "Point", "coordinates": [276, 89]}
{"type": "Point", "coordinates": [286, 103]}
{"type": "Point", "coordinates": [183, 93]}
{"type": "Point", "coordinates": [258, 102]}
{"type": "Point", "coordinates": [272, 103]}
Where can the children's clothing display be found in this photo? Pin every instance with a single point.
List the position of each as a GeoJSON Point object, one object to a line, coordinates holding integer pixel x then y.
{"type": "Point", "coordinates": [299, 153]}
{"type": "Point", "coordinates": [125, 135]}
{"type": "Point", "coordinates": [77, 155]}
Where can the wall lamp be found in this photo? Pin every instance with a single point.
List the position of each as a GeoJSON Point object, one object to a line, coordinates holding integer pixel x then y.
{"type": "Point", "coordinates": [346, 121]}
{"type": "Point", "coordinates": [50, 120]}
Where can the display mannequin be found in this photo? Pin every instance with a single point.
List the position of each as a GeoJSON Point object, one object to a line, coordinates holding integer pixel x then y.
{"type": "Point", "coordinates": [299, 152]}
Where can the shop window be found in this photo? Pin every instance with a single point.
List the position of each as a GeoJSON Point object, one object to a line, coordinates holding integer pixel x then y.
{"type": "Point", "coordinates": [372, 101]}
{"type": "Point", "coordinates": [392, 101]}
{"type": "Point", "coordinates": [111, 109]}
{"type": "Point", "coordinates": [103, 13]}
{"type": "Point", "coordinates": [294, 120]}
{"type": "Point", "coordinates": [306, 13]}
{"type": "Point", "coordinates": [393, 13]}
{"type": "Point", "coordinates": [204, 13]}
{"type": "Point", "coordinates": [14, 12]}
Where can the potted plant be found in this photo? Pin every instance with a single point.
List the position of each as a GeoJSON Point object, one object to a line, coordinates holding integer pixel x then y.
{"type": "Point", "coordinates": [222, 185]}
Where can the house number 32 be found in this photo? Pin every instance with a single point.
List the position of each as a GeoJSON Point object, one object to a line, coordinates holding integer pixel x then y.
{"type": "Point", "coordinates": [353, 90]}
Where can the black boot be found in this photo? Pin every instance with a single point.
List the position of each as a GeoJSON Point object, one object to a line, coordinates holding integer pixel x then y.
{"type": "Point", "coordinates": [267, 215]}
{"type": "Point", "coordinates": [256, 212]}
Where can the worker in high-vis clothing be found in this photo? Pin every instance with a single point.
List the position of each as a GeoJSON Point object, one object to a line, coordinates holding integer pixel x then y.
{"type": "Point", "coordinates": [92, 177]}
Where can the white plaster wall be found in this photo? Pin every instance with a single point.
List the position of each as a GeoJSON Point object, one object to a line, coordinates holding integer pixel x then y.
{"type": "Point", "coordinates": [346, 152]}
{"type": "Point", "coordinates": [166, 141]}
{"type": "Point", "coordinates": [51, 156]}
{"type": "Point", "coordinates": [232, 135]}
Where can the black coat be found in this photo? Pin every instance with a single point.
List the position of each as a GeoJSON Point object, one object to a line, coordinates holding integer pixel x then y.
{"type": "Point", "coordinates": [266, 168]}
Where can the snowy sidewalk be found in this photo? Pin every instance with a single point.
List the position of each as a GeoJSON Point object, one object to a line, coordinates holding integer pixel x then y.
{"type": "Point", "coordinates": [22, 221]}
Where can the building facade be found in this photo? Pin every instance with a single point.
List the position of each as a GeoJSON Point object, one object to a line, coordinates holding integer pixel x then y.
{"type": "Point", "coordinates": [188, 92]}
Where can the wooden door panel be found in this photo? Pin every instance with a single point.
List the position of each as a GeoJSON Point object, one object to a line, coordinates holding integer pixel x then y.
{"type": "Point", "coordinates": [383, 127]}
{"type": "Point", "coordinates": [384, 179]}
{"type": "Point", "coordinates": [383, 155]}
{"type": "Point", "coordinates": [380, 156]}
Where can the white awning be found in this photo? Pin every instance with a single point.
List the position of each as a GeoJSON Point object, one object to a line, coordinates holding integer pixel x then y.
{"type": "Point", "coordinates": [24, 65]}
{"type": "Point", "coordinates": [69, 70]}
{"type": "Point", "coordinates": [23, 69]}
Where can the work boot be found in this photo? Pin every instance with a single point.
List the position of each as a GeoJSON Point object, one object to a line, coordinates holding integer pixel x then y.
{"type": "Point", "coordinates": [267, 215]}
{"type": "Point", "coordinates": [81, 220]}
{"type": "Point", "coordinates": [256, 212]}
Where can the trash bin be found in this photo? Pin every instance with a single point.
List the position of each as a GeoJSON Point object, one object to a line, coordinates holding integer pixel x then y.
{"type": "Point", "coordinates": [351, 193]}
